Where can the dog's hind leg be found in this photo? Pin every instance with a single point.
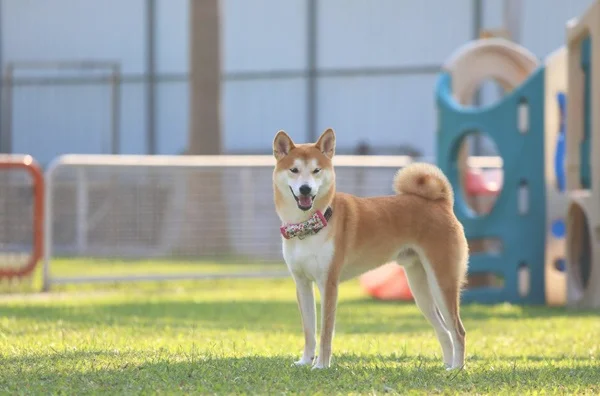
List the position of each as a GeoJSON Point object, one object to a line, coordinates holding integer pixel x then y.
{"type": "Point", "coordinates": [445, 281]}
{"type": "Point", "coordinates": [419, 286]}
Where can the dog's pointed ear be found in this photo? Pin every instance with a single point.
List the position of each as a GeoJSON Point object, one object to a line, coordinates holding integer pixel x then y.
{"type": "Point", "coordinates": [326, 143]}
{"type": "Point", "coordinates": [282, 145]}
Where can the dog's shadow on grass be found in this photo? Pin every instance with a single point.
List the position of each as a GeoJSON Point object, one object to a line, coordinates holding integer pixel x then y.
{"type": "Point", "coordinates": [191, 372]}
{"type": "Point", "coordinates": [476, 311]}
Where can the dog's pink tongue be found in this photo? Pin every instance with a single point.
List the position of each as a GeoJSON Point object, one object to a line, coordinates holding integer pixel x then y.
{"type": "Point", "coordinates": [305, 201]}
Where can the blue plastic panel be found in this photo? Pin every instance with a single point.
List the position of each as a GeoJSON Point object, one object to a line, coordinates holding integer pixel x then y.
{"type": "Point", "coordinates": [522, 235]}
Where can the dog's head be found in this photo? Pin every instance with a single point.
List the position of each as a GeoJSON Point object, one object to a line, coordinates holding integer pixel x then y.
{"type": "Point", "coordinates": [304, 176]}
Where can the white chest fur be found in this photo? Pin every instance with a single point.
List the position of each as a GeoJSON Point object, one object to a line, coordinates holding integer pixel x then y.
{"type": "Point", "coordinates": [309, 257]}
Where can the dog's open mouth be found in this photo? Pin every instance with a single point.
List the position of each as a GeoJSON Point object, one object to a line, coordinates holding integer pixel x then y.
{"type": "Point", "coordinates": [304, 202]}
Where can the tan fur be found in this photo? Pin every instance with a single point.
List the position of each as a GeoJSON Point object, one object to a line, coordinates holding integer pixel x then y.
{"type": "Point", "coordinates": [365, 233]}
{"type": "Point", "coordinates": [425, 180]}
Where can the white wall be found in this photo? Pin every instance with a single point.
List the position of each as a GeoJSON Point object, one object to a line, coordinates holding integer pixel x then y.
{"type": "Point", "coordinates": [352, 34]}
{"type": "Point", "coordinates": [263, 36]}
{"type": "Point", "coordinates": [543, 29]}
{"type": "Point", "coordinates": [258, 36]}
{"type": "Point", "coordinates": [171, 118]}
{"type": "Point", "coordinates": [49, 120]}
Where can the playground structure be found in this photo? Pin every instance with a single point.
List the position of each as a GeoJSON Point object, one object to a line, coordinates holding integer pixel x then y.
{"type": "Point", "coordinates": [548, 228]}
{"type": "Point", "coordinates": [583, 160]}
{"type": "Point", "coordinates": [516, 125]}
{"type": "Point", "coordinates": [554, 157]}
{"type": "Point", "coordinates": [547, 215]}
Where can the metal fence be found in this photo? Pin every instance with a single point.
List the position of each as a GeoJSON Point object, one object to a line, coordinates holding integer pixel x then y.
{"type": "Point", "coordinates": [31, 84]}
{"type": "Point", "coordinates": [210, 216]}
{"type": "Point", "coordinates": [178, 217]}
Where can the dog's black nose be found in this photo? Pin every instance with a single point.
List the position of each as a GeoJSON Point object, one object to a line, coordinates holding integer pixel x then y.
{"type": "Point", "coordinates": [305, 189]}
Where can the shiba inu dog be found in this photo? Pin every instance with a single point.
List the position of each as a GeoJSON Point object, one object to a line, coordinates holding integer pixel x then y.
{"type": "Point", "coordinates": [329, 237]}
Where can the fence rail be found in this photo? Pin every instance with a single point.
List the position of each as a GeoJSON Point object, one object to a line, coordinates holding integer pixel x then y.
{"type": "Point", "coordinates": [111, 72]}
{"type": "Point", "coordinates": [202, 217]}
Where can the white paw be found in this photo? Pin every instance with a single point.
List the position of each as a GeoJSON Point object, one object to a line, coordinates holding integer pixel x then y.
{"type": "Point", "coordinates": [304, 361]}
{"type": "Point", "coordinates": [451, 368]}
{"type": "Point", "coordinates": [319, 366]}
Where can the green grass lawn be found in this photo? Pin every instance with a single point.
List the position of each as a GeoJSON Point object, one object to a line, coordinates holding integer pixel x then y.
{"type": "Point", "coordinates": [100, 267]}
{"type": "Point", "coordinates": [64, 268]}
{"type": "Point", "coordinates": [241, 336]}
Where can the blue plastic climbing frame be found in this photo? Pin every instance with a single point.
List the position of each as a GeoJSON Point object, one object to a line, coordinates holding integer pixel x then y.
{"type": "Point", "coordinates": [561, 143]}
{"type": "Point", "coordinates": [558, 227]}
{"type": "Point", "coordinates": [521, 228]}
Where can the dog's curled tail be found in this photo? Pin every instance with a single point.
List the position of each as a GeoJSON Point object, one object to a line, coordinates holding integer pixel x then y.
{"type": "Point", "coordinates": [424, 180]}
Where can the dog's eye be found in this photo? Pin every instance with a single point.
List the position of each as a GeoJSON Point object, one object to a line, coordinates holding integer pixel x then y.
{"type": "Point", "coordinates": [317, 170]}
{"type": "Point", "coordinates": [294, 170]}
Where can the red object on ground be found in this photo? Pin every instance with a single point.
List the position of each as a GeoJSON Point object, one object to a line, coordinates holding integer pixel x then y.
{"type": "Point", "coordinates": [387, 282]}
{"type": "Point", "coordinates": [24, 163]}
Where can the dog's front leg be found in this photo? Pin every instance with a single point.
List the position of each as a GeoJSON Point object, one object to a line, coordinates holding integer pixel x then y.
{"type": "Point", "coordinates": [306, 303]}
{"type": "Point", "coordinates": [329, 297]}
